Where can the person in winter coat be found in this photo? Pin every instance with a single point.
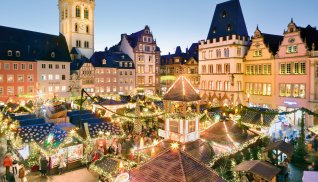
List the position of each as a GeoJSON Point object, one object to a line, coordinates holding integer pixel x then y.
{"type": "Point", "coordinates": [22, 172]}
{"type": "Point", "coordinates": [44, 165]}
{"type": "Point", "coordinates": [15, 166]}
{"type": "Point", "coordinates": [7, 163]}
{"type": "Point", "coordinates": [10, 177]}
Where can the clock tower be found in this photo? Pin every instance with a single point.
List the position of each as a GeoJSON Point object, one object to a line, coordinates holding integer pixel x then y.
{"type": "Point", "coordinates": [77, 25]}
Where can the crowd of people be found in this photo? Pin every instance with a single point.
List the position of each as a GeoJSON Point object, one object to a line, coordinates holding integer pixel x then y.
{"type": "Point", "coordinates": [13, 169]}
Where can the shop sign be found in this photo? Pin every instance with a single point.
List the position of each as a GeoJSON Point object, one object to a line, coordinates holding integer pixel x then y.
{"type": "Point", "coordinates": [290, 103]}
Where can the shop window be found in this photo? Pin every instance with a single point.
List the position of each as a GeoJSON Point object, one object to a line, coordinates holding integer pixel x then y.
{"type": "Point", "coordinates": [174, 126]}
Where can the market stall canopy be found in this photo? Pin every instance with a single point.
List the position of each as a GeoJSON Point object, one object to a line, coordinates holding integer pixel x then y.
{"type": "Point", "coordinates": [110, 102]}
{"type": "Point", "coordinates": [310, 176]}
{"type": "Point", "coordinates": [173, 165]}
{"type": "Point", "coordinates": [256, 118]}
{"type": "Point", "coordinates": [182, 90]}
{"type": "Point", "coordinates": [263, 169]}
{"type": "Point", "coordinates": [286, 148]}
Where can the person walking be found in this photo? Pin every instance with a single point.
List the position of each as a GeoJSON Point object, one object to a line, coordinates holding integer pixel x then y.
{"type": "Point", "coordinates": [44, 165]}
{"type": "Point", "coordinates": [10, 177]}
{"type": "Point", "coordinates": [7, 163]}
{"type": "Point", "coordinates": [61, 164]}
{"type": "Point", "coordinates": [22, 172]}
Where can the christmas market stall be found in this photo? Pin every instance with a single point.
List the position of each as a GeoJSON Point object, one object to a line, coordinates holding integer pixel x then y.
{"type": "Point", "coordinates": [257, 170]}
{"type": "Point", "coordinates": [111, 105]}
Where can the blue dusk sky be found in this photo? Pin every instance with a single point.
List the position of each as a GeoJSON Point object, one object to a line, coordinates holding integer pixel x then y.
{"type": "Point", "coordinates": [173, 22]}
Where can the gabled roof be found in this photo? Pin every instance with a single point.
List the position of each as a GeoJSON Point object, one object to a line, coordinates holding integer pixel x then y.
{"type": "Point", "coordinates": [32, 45]}
{"type": "Point", "coordinates": [272, 41]}
{"type": "Point", "coordinates": [286, 148]}
{"type": "Point", "coordinates": [112, 59]}
{"type": "Point", "coordinates": [182, 90]}
{"type": "Point", "coordinates": [78, 63]}
{"type": "Point", "coordinates": [263, 169]}
{"type": "Point", "coordinates": [310, 36]}
{"type": "Point", "coordinates": [74, 51]}
{"type": "Point", "coordinates": [173, 166]}
{"type": "Point", "coordinates": [225, 14]}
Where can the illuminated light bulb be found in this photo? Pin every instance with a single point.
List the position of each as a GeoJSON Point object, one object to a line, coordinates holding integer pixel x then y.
{"type": "Point", "coordinates": [141, 143]}
{"type": "Point", "coordinates": [175, 145]}
{"type": "Point", "coordinates": [155, 142]}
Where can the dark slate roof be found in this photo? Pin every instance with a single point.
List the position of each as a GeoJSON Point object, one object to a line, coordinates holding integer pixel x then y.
{"type": "Point", "coordinates": [310, 36]}
{"type": "Point", "coordinates": [134, 37]}
{"type": "Point", "coordinates": [32, 45]}
{"type": "Point", "coordinates": [181, 90]}
{"type": "Point", "coordinates": [286, 148]}
{"type": "Point", "coordinates": [272, 41]}
{"type": "Point", "coordinates": [176, 166]}
{"type": "Point", "coordinates": [78, 63]}
{"type": "Point", "coordinates": [233, 16]}
{"type": "Point", "coordinates": [192, 52]}
{"type": "Point", "coordinates": [263, 169]}
{"type": "Point", "coordinates": [112, 59]}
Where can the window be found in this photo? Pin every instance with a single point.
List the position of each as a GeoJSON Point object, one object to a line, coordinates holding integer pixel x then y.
{"type": "Point", "coordinates": [10, 78]}
{"type": "Point", "coordinates": [76, 27]}
{"type": "Point", "coordinates": [62, 14]}
{"type": "Point", "coordinates": [288, 68]}
{"type": "Point", "coordinates": [248, 70]}
{"type": "Point", "coordinates": [296, 68]}
{"type": "Point", "coordinates": [239, 51]}
{"type": "Point", "coordinates": [130, 65]}
{"type": "Point", "coordinates": [30, 89]}
{"type": "Point", "coordinates": [258, 53]}
{"type": "Point", "coordinates": [50, 66]}
{"type": "Point", "coordinates": [63, 77]}
{"type": "Point", "coordinates": [203, 54]}
{"type": "Point", "coordinates": [15, 66]}
{"type": "Point", "coordinates": [86, 13]}
{"type": "Point", "coordinates": [43, 77]}
{"type": "Point", "coordinates": [63, 66]}
{"type": "Point", "coordinates": [78, 43]}
{"type": "Point", "coordinates": [1, 78]}
{"type": "Point", "coordinates": [219, 68]}
{"type": "Point", "coordinates": [57, 77]}
{"type": "Point", "coordinates": [87, 29]}
{"type": "Point", "coordinates": [191, 126]}
{"type": "Point", "coordinates": [10, 90]}
{"type": "Point", "coordinates": [50, 77]}
{"type": "Point", "coordinates": [1, 90]}
{"type": "Point", "coordinates": [30, 78]}
{"type": "Point", "coordinates": [78, 12]}
{"type": "Point", "coordinates": [43, 66]}
{"type": "Point", "coordinates": [302, 91]}
{"type": "Point", "coordinates": [238, 67]}
{"type": "Point", "coordinates": [150, 69]}
{"type": "Point", "coordinates": [57, 66]}
{"type": "Point", "coordinates": [150, 80]}
{"type": "Point", "coordinates": [30, 66]}
{"type": "Point", "coordinates": [6, 66]}
{"type": "Point", "coordinates": [63, 89]}
{"type": "Point", "coordinates": [227, 68]}
{"type": "Point", "coordinates": [210, 68]}
{"type": "Point", "coordinates": [66, 12]}
{"type": "Point", "coordinates": [296, 90]}
{"type": "Point", "coordinates": [210, 54]}
{"type": "Point", "coordinates": [20, 78]}
{"type": "Point", "coordinates": [302, 68]}
{"type": "Point", "coordinates": [203, 69]}
{"type": "Point", "coordinates": [282, 90]}
{"type": "Point", "coordinates": [229, 28]}
{"type": "Point", "coordinates": [50, 89]}
{"type": "Point", "coordinates": [86, 44]}
{"type": "Point", "coordinates": [292, 49]}
{"type": "Point", "coordinates": [282, 68]}
{"type": "Point", "coordinates": [52, 54]}
{"type": "Point", "coordinates": [9, 53]}
{"type": "Point", "coordinates": [269, 69]}
{"type": "Point", "coordinates": [17, 53]}
{"type": "Point", "coordinates": [21, 90]}
{"type": "Point", "coordinates": [288, 90]}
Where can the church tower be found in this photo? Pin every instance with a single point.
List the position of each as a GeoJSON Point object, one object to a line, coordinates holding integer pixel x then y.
{"type": "Point", "coordinates": [77, 25]}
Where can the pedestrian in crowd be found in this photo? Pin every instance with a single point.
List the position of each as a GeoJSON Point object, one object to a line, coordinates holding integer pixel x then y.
{"type": "Point", "coordinates": [286, 140]}
{"type": "Point", "coordinates": [10, 177]}
{"type": "Point", "coordinates": [62, 164]}
{"type": "Point", "coordinates": [119, 148]}
{"type": "Point", "coordinates": [15, 166]}
{"type": "Point", "coordinates": [44, 165]}
{"type": "Point", "coordinates": [22, 172]}
{"type": "Point", "coordinates": [7, 163]}
{"type": "Point", "coordinates": [40, 168]}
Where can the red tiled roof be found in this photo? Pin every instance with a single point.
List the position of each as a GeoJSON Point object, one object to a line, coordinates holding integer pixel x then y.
{"type": "Point", "coordinates": [173, 166]}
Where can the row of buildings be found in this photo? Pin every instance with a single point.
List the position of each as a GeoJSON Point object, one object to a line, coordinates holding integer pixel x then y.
{"type": "Point", "coordinates": [228, 67]}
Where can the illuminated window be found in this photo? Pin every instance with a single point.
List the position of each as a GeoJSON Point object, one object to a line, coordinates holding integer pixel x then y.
{"type": "Point", "coordinates": [10, 90]}
{"type": "Point", "coordinates": [296, 90]}
{"type": "Point", "coordinates": [292, 49]}
{"type": "Point", "coordinates": [302, 68]}
{"type": "Point", "coordinates": [296, 68]}
{"type": "Point", "coordinates": [86, 14]}
{"type": "Point", "coordinates": [288, 90]}
{"type": "Point", "coordinates": [282, 90]}
{"type": "Point", "coordinates": [76, 27]}
{"type": "Point", "coordinates": [191, 126]}
{"type": "Point", "coordinates": [302, 91]}
{"type": "Point", "coordinates": [10, 78]}
{"type": "Point", "coordinates": [174, 126]}
{"type": "Point", "coordinates": [282, 68]}
{"type": "Point", "coordinates": [20, 78]}
{"type": "Point", "coordinates": [288, 68]}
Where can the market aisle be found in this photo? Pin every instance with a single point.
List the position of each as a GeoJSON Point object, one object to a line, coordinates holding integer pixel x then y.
{"type": "Point", "coordinates": [80, 175]}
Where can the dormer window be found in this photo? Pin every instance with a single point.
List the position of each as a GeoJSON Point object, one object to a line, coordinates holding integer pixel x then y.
{"type": "Point", "coordinates": [123, 57]}
{"type": "Point", "coordinates": [130, 64]}
{"type": "Point", "coordinates": [9, 53]}
{"type": "Point", "coordinates": [224, 14]}
{"type": "Point", "coordinates": [126, 64]}
{"type": "Point", "coordinates": [229, 28]}
{"type": "Point", "coordinates": [52, 54]}
{"type": "Point", "coordinates": [104, 61]}
{"type": "Point", "coordinates": [146, 31]}
{"type": "Point", "coordinates": [120, 64]}
{"type": "Point", "coordinates": [214, 30]}
{"type": "Point", "coordinates": [17, 53]}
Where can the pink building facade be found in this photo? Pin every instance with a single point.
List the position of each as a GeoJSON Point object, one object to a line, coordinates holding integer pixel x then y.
{"type": "Point", "coordinates": [17, 79]}
{"type": "Point", "coordinates": [293, 73]}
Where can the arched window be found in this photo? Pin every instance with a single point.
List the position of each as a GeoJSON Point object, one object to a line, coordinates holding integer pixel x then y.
{"type": "Point", "coordinates": [86, 13]}
{"type": "Point", "coordinates": [62, 14]}
{"type": "Point", "coordinates": [76, 27]}
{"type": "Point", "coordinates": [78, 12]}
{"type": "Point", "coordinates": [87, 29]}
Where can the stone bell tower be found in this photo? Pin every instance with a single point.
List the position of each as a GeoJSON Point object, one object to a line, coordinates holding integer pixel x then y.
{"type": "Point", "coordinates": [77, 25]}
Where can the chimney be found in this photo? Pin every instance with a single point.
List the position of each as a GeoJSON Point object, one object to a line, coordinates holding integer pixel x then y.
{"type": "Point", "coordinates": [106, 49]}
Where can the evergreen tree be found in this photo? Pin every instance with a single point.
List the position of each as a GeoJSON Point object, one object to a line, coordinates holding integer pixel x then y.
{"type": "Point", "coordinates": [301, 148]}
